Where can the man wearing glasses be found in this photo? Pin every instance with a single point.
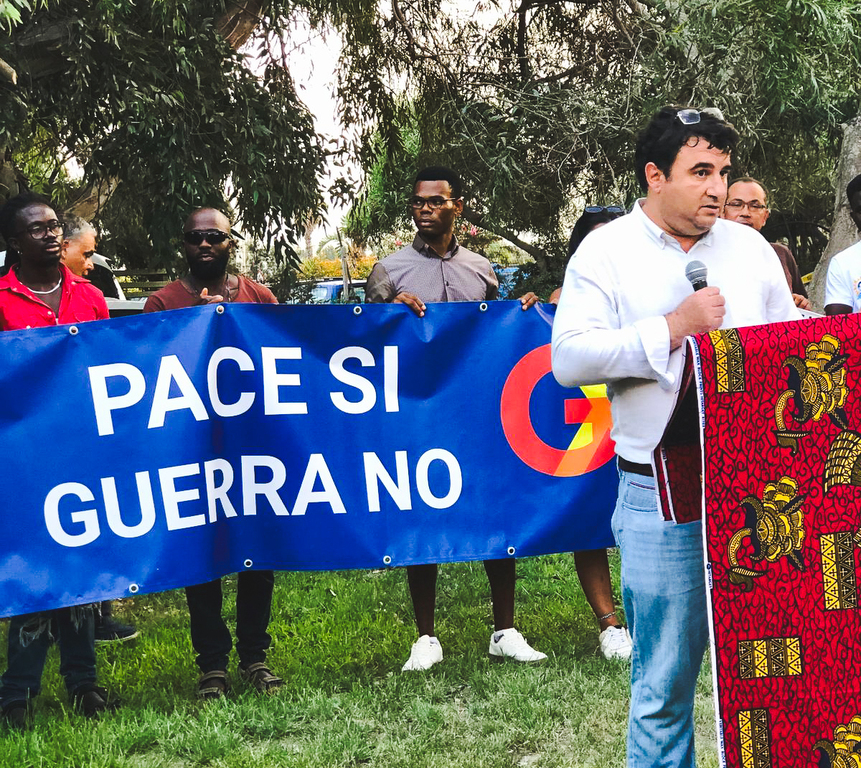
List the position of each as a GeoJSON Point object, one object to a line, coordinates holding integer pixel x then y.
{"type": "Point", "coordinates": [625, 309]}
{"type": "Point", "coordinates": [208, 247]}
{"type": "Point", "coordinates": [435, 268]}
{"type": "Point", "coordinates": [38, 291]}
{"type": "Point", "coordinates": [747, 203]}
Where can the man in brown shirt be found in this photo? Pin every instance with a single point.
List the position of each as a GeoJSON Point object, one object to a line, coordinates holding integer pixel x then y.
{"type": "Point", "coordinates": [747, 203]}
{"type": "Point", "coordinates": [435, 268]}
{"type": "Point", "coordinates": [208, 246]}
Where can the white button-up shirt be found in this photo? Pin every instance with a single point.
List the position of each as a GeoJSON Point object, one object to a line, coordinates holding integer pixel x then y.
{"type": "Point", "coordinates": [610, 325]}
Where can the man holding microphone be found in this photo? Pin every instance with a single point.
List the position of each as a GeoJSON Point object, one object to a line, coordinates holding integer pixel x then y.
{"type": "Point", "coordinates": [625, 309]}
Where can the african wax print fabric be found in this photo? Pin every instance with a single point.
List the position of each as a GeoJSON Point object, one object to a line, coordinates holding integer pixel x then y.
{"type": "Point", "coordinates": [780, 418]}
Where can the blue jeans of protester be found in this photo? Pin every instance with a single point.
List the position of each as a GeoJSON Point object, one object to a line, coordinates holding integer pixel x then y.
{"type": "Point", "coordinates": [210, 635]}
{"type": "Point", "coordinates": [23, 677]}
{"type": "Point", "coordinates": [664, 594]}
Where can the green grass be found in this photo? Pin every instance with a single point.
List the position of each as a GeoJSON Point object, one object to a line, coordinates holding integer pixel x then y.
{"type": "Point", "coordinates": [339, 640]}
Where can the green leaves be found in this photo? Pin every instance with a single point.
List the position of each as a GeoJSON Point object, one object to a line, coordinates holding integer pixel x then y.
{"type": "Point", "coordinates": [151, 95]}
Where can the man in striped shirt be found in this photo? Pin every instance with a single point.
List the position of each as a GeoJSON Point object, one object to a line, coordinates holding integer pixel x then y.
{"type": "Point", "coordinates": [435, 268]}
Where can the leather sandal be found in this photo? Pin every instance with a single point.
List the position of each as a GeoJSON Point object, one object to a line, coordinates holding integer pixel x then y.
{"type": "Point", "coordinates": [261, 677]}
{"type": "Point", "coordinates": [212, 685]}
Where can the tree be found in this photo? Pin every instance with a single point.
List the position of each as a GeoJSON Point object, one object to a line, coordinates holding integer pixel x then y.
{"type": "Point", "coordinates": [161, 112]}
{"type": "Point", "coordinates": [844, 232]}
{"type": "Point", "coordinates": [538, 103]}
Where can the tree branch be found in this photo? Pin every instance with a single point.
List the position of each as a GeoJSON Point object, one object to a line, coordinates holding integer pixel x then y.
{"type": "Point", "coordinates": [8, 73]}
{"type": "Point", "coordinates": [522, 24]}
{"type": "Point", "coordinates": [480, 220]}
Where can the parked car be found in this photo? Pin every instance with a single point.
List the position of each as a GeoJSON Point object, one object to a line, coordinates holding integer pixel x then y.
{"type": "Point", "coordinates": [332, 292]}
{"type": "Point", "coordinates": [104, 279]}
{"type": "Point", "coordinates": [507, 277]}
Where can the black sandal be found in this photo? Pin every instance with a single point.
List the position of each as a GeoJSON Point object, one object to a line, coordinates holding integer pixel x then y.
{"type": "Point", "coordinates": [212, 685]}
{"type": "Point", "coordinates": [261, 677]}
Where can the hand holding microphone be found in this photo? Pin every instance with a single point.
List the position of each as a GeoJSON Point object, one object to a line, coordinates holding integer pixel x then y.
{"type": "Point", "coordinates": [701, 312]}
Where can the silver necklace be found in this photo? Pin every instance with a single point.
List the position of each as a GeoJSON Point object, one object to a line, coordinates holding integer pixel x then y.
{"type": "Point", "coordinates": [45, 293]}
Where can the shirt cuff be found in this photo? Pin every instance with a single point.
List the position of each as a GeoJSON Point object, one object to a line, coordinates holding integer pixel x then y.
{"type": "Point", "coordinates": [655, 337]}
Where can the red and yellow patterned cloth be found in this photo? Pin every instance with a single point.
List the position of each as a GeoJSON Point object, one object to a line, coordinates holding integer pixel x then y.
{"type": "Point", "coordinates": [780, 409]}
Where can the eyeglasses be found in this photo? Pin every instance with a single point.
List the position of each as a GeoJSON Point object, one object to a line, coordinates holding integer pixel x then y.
{"type": "Point", "coordinates": [434, 203]}
{"type": "Point", "coordinates": [602, 208]}
{"type": "Point", "coordinates": [754, 205]}
{"type": "Point", "coordinates": [40, 230]}
{"type": "Point", "coordinates": [212, 236]}
{"type": "Point", "coordinates": [693, 116]}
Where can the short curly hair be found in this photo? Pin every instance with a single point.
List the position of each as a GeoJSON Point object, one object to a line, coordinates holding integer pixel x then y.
{"type": "Point", "coordinates": [8, 222]}
{"type": "Point", "coordinates": [441, 173]}
{"type": "Point", "coordinates": [660, 141]}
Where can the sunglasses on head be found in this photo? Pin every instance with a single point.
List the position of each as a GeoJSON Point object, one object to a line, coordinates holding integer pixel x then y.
{"type": "Point", "coordinates": [602, 208]}
{"type": "Point", "coordinates": [212, 236]}
{"type": "Point", "coordinates": [693, 116]}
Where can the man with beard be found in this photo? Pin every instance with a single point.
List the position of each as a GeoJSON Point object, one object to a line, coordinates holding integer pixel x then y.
{"type": "Point", "coordinates": [38, 291]}
{"type": "Point", "coordinates": [208, 247]}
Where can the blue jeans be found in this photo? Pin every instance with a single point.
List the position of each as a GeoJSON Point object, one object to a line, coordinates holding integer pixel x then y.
{"type": "Point", "coordinates": [22, 679]}
{"type": "Point", "coordinates": [664, 594]}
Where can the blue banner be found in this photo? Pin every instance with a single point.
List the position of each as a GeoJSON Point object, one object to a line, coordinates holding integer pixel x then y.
{"type": "Point", "coordinates": [146, 453]}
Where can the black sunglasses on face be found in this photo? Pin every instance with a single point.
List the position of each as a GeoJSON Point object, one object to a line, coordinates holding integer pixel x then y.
{"type": "Point", "coordinates": [602, 208]}
{"type": "Point", "coordinates": [212, 236]}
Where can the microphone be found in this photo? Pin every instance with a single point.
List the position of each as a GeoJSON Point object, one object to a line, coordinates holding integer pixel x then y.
{"type": "Point", "coordinates": [697, 272]}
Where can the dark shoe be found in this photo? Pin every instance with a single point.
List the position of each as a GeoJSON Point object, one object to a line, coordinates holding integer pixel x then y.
{"type": "Point", "coordinates": [212, 685]}
{"type": "Point", "coordinates": [261, 677]}
{"type": "Point", "coordinates": [17, 716]}
{"type": "Point", "coordinates": [109, 631]}
{"type": "Point", "coordinates": [91, 700]}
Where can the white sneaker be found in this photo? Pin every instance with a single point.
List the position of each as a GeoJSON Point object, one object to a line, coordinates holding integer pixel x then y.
{"type": "Point", "coordinates": [616, 643]}
{"type": "Point", "coordinates": [510, 644]}
{"type": "Point", "coordinates": [426, 652]}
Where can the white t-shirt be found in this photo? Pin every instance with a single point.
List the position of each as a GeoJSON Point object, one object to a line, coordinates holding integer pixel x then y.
{"type": "Point", "coordinates": [843, 284]}
{"type": "Point", "coordinates": [610, 326]}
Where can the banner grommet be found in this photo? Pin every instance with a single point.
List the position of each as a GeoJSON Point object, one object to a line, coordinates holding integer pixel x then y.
{"type": "Point", "coordinates": [482, 307]}
{"type": "Point", "coordinates": [73, 329]}
{"type": "Point", "coordinates": [511, 550]}
{"type": "Point", "coordinates": [220, 309]}
{"type": "Point", "coordinates": [248, 563]}
{"type": "Point", "coordinates": [357, 310]}
{"type": "Point", "coordinates": [134, 588]}
{"type": "Point", "coordinates": [387, 560]}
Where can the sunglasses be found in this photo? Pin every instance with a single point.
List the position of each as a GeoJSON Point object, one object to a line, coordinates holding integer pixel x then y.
{"type": "Point", "coordinates": [693, 116]}
{"type": "Point", "coordinates": [602, 208]}
{"type": "Point", "coordinates": [212, 236]}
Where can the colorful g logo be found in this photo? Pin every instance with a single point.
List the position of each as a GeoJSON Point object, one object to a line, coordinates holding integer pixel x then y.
{"type": "Point", "coordinates": [591, 446]}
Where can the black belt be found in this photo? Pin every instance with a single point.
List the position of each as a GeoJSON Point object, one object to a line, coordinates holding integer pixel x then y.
{"type": "Point", "coordinates": [637, 469]}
